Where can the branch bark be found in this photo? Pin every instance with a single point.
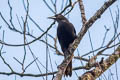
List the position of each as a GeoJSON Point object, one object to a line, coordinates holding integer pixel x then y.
{"type": "Point", "coordinates": [102, 66]}
{"type": "Point", "coordinates": [82, 11]}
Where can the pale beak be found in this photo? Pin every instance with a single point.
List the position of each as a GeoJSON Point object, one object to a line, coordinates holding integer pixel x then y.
{"type": "Point", "coordinates": [52, 17]}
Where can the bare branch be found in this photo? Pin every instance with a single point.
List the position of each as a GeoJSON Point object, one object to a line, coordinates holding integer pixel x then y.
{"type": "Point", "coordinates": [103, 66]}
{"type": "Point", "coordinates": [16, 45]}
{"type": "Point", "coordinates": [82, 11]}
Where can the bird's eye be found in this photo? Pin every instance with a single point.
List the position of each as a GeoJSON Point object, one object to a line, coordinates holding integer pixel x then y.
{"type": "Point", "coordinates": [56, 15]}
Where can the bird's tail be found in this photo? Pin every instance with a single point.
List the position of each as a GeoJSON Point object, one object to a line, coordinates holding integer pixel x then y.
{"type": "Point", "coordinates": [69, 69]}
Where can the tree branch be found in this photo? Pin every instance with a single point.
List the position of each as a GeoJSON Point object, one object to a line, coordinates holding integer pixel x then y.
{"type": "Point", "coordinates": [82, 11]}
{"type": "Point", "coordinates": [102, 66]}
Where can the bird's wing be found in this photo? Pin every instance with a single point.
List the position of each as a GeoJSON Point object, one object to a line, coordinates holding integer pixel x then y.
{"type": "Point", "coordinates": [73, 29]}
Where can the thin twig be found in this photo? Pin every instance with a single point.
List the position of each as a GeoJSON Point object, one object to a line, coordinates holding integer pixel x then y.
{"type": "Point", "coordinates": [16, 45]}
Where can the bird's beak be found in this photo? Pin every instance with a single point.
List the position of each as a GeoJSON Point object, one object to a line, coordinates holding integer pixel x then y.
{"type": "Point", "coordinates": [52, 17]}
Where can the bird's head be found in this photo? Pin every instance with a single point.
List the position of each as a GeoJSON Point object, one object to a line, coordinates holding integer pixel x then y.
{"type": "Point", "coordinates": [58, 18]}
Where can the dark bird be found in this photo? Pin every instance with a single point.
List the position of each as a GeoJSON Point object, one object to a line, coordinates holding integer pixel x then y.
{"type": "Point", "coordinates": [66, 35]}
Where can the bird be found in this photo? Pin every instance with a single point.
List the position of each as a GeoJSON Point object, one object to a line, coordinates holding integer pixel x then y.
{"type": "Point", "coordinates": [66, 34]}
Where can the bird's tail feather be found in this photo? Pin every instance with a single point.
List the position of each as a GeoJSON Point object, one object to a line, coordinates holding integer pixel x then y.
{"type": "Point", "coordinates": [69, 70]}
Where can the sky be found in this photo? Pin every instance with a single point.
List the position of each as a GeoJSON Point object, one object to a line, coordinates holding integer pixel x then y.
{"type": "Point", "coordinates": [39, 12]}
